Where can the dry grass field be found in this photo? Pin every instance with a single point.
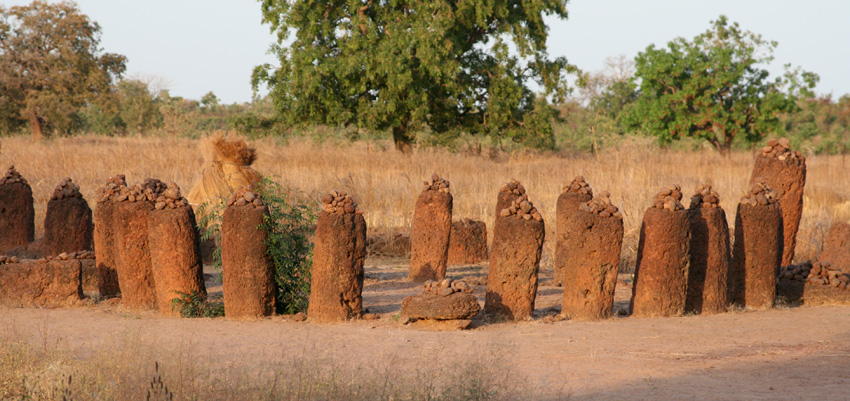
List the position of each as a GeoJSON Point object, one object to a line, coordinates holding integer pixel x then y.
{"type": "Point", "coordinates": [386, 183]}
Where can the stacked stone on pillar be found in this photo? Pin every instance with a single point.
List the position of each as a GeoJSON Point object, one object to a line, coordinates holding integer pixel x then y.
{"type": "Point", "coordinates": [757, 252]}
{"type": "Point", "coordinates": [515, 260]}
{"type": "Point", "coordinates": [573, 196]}
{"type": "Point", "coordinates": [836, 246]}
{"type": "Point", "coordinates": [784, 171]}
{"type": "Point", "coordinates": [594, 236]}
{"type": "Point", "coordinates": [663, 260]}
{"type": "Point", "coordinates": [432, 226]}
{"type": "Point", "coordinates": [468, 242]}
{"type": "Point", "coordinates": [17, 216]}
{"type": "Point", "coordinates": [710, 253]}
{"type": "Point", "coordinates": [509, 192]}
{"type": "Point", "coordinates": [336, 282]}
{"type": "Point", "coordinates": [105, 245]}
{"type": "Point", "coordinates": [68, 223]}
{"type": "Point", "coordinates": [248, 282]}
{"type": "Point", "coordinates": [174, 248]}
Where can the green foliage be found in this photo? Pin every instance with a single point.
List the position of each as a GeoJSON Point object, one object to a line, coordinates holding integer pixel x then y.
{"type": "Point", "coordinates": [196, 305]}
{"type": "Point", "coordinates": [288, 225]}
{"type": "Point", "coordinates": [713, 88]}
{"type": "Point", "coordinates": [407, 66]}
{"type": "Point", "coordinates": [820, 125]}
{"type": "Point", "coordinates": [209, 226]}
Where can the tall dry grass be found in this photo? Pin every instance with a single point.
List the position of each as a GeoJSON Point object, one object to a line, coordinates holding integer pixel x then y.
{"type": "Point", "coordinates": [386, 183]}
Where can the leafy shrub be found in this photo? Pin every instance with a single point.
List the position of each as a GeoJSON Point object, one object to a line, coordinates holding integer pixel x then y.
{"type": "Point", "coordinates": [196, 305]}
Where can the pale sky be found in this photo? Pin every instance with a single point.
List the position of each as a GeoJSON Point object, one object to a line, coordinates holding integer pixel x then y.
{"type": "Point", "coordinates": [197, 46]}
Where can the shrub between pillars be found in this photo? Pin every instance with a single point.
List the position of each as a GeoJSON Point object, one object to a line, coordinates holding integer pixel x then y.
{"type": "Point", "coordinates": [710, 256]}
{"type": "Point", "coordinates": [17, 216]}
{"type": "Point", "coordinates": [573, 196]}
{"type": "Point", "coordinates": [432, 226]}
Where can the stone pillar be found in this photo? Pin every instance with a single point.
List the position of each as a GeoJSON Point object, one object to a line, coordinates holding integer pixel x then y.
{"type": "Point", "coordinates": [247, 270]}
{"type": "Point", "coordinates": [836, 246]}
{"type": "Point", "coordinates": [507, 194]}
{"type": "Point", "coordinates": [17, 216]}
{"type": "Point", "coordinates": [432, 226]}
{"type": "Point", "coordinates": [594, 236]}
{"type": "Point", "coordinates": [661, 273]}
{"type": "Point", "coordinates": [336, 282]}
{"type": "Point", "coordinates": [515, 260]}
{"type": "Point", "coordinates": [784, 171]}
{"type": "Point", "coordinates": [468, 242]}
{"type": "Point", "coordinates": [710, 256]}
{"type": "Point", "coordinates": [175, 252]}
{"type": "Point", "coordinates": [105, 245]}
{"type": "Point", "coordinates": [757, 252]}
{"type": "Point", "coordinates": [68, 223]}
{"type": "Point", "coordinates": [573, 196]}
{"type": "Point", "coordinates": [133, 257]}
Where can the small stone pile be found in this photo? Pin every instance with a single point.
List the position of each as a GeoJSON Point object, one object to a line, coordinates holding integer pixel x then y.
{"type": "Point", "coordinates": [337, 202]}
{"type": "Point", "coordinates": [522, 208]}
{"type": "Point", "coordinates": [579, 186]}
{"type": "Point", "coordinates": [436, 184]}
{"type": "Point", "coordinates": [705, 197]}
{"type": "Point", "coordinates": [5, 260]}
{"type": "Point", "coordinates": [602, 206]}
{"type": "Point", "coordinates": [760, 194]}
{"type": "Point", "coordinates": [113, 187]}
{"type": "Point", "coordinates": [170, 197]}
{"type": "Point", "coordinates": [66, 189]}
{"type": "Point", "coordinates": [669, 198]}
{"type": "Point", "coordinates": [245, 196]}
{"type": "Point", "coordinates": [513, 187]}
{"type": "Point", "coordinates": [780, 149]}
{"type": "Point", "coordinates": [69, 256]}
{"type": "Point", "coordinates": [148, 191]}
{"type": "Point", "coordinates": [817, 272]}
{"type": "Point", "coordinates": [12, 176]}
{"type": "Point", "coordinates": [446, 287]}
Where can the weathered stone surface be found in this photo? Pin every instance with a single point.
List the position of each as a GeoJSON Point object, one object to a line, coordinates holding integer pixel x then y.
{"type": "Point", "coordinates": [429, 240]}
{"type": "Point", "coordinates": [428, 305]}
{"type": "Point", "coordinates": [336, 283]}
{"type": "Point", "coordinates": [590, 267]}
{"type": "Point", "coordinates": [45, 284]}
{"type": "Point", "coordinates": [67, 226]}
{"type": "Point", "coordinates": [468, 242]}
{"type": "Point", "coordinates": [836, 246]}
{"type": "Point", "coordinates": [105, 248]}
{"type": "Point", "coordinates": [91, 278]}
{"type": "Point", "coordinates": [17, 216]}
{"type": "Point", "coordinates": [514, 266]}
{"type": "Point", "coordinates": [710, 259]}
{"type": "Point", "coordinates": [175, 255]}
{"type": "Point", "coordinates": [567, 208]}
{"type": "Point", "coordinates": [756, 255]}
{"type": "Point", "coordinates": [661, 273]}
{"type": "Point", "coordinates": [132, 256]}
{"type": "Point", "coordinates": [247, 271]}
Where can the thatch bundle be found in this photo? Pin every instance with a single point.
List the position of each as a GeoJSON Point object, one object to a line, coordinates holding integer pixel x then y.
{"type": "Point", "coordinates": [227, 167]}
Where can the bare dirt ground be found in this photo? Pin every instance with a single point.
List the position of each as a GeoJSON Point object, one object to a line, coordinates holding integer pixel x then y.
{"type": "Point", "coordinates": [792, 353]}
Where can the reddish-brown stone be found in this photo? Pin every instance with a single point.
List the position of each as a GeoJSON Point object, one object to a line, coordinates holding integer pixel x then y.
{"type": "Point", "coordinates": [661, 273]}
{"type": "Point", "coordinates": [247, 270]}
{"type": "Point", "coordinates": [710, 259]}
{"type": "Point", "coordinates": [836, 247]}
{"type": "Point", "coordinates": [428, 305]}
{"type": "Point", "coordinates": [590, 268]}
{"type": "Point", "coordinates": [175, 255]}
{"type": "Point", "coordinates": [67, 226]}
{"type": "Point", "coordinates": [17, 216]}
{"type": "Point", "coordinates": [91, 278]}
{"type": "Point", "coordinates": [567, 207]}
{"type": "Point", "coordinates": [45, 284]}
{"type": "Point", "coordinates": [756, 255]}
{"type": "Point", "coordinates": [468, 242]}
{"type": "Point", "coordinates": [429, 241]}
{"type": "Point", "coordinates": [336, 282]}
{"type": "Point", "coordinates": [811, 294]}
{"type": "Point", "coordinates": [514, 265]}
{"type": "Point", "coordinates": [787, 177]}
{"type": "Point", "coordinates": [132, 256]}
{"type": "Point", "coordinates": [105, 248]}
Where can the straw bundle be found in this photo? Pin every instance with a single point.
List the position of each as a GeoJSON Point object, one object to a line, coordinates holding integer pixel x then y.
{"type": "Point", "coordinates": [227, 167]}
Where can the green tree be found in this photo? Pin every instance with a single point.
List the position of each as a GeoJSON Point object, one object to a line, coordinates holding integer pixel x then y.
{"type": "Point", "coordinates": [411, 65]}
{"type": "Point", "coordinates": [51, 66]}
{"type": "Point", "coordinates": [713, 87]}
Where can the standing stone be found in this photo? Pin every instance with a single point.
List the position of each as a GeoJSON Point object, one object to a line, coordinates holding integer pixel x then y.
{"type": "Point", "coordinates": [68, 223]}
{"type": "Point", "coordinates": [17, 216]}
{"type": "Point", "coordinates": [573, 196]}
{"type": "Point", "coordinates": [105, 244]}
{"type": "Point", "coordinates": [784, 171]}
{"type": "Point", "coordinates": [468, 242]}
{"type": "Point", "coordinates": [710, 256]}
{"type": "Point", "coordinates": [175, 252]}
{"type": "Point", "coordinates": [336, 282]}
{"type": "Point", "coordinates": [661, 273]}
{"type": "Point", "coordinates": [836, 247]}
{"type": "Point", "coordinates": [757, 252]}
{"type": "Point", "coordinates": [594, 236]}
{"type": "Point", "coordinates": [133, 258]}
{"type": "Point", "coordinates": [432, 226]}
{"type": "Point", "coordinates": [515, 260]}
{"type": "Point", "coordinates": [247, 270]}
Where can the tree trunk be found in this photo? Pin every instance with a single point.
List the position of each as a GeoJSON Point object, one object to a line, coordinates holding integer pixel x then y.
{"type": "Point", "coordinates": [402, 139]}
{"type": "Point", "coordinates": [35, 128]}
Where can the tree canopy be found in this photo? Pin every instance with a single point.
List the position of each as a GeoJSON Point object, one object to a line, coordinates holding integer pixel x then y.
{"type": "Point", "coordinates": [446, 65]}
{"type": "Point", "coordinates": [714, 87]}
{"type": "Point", "coordinates": [51, 66]}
